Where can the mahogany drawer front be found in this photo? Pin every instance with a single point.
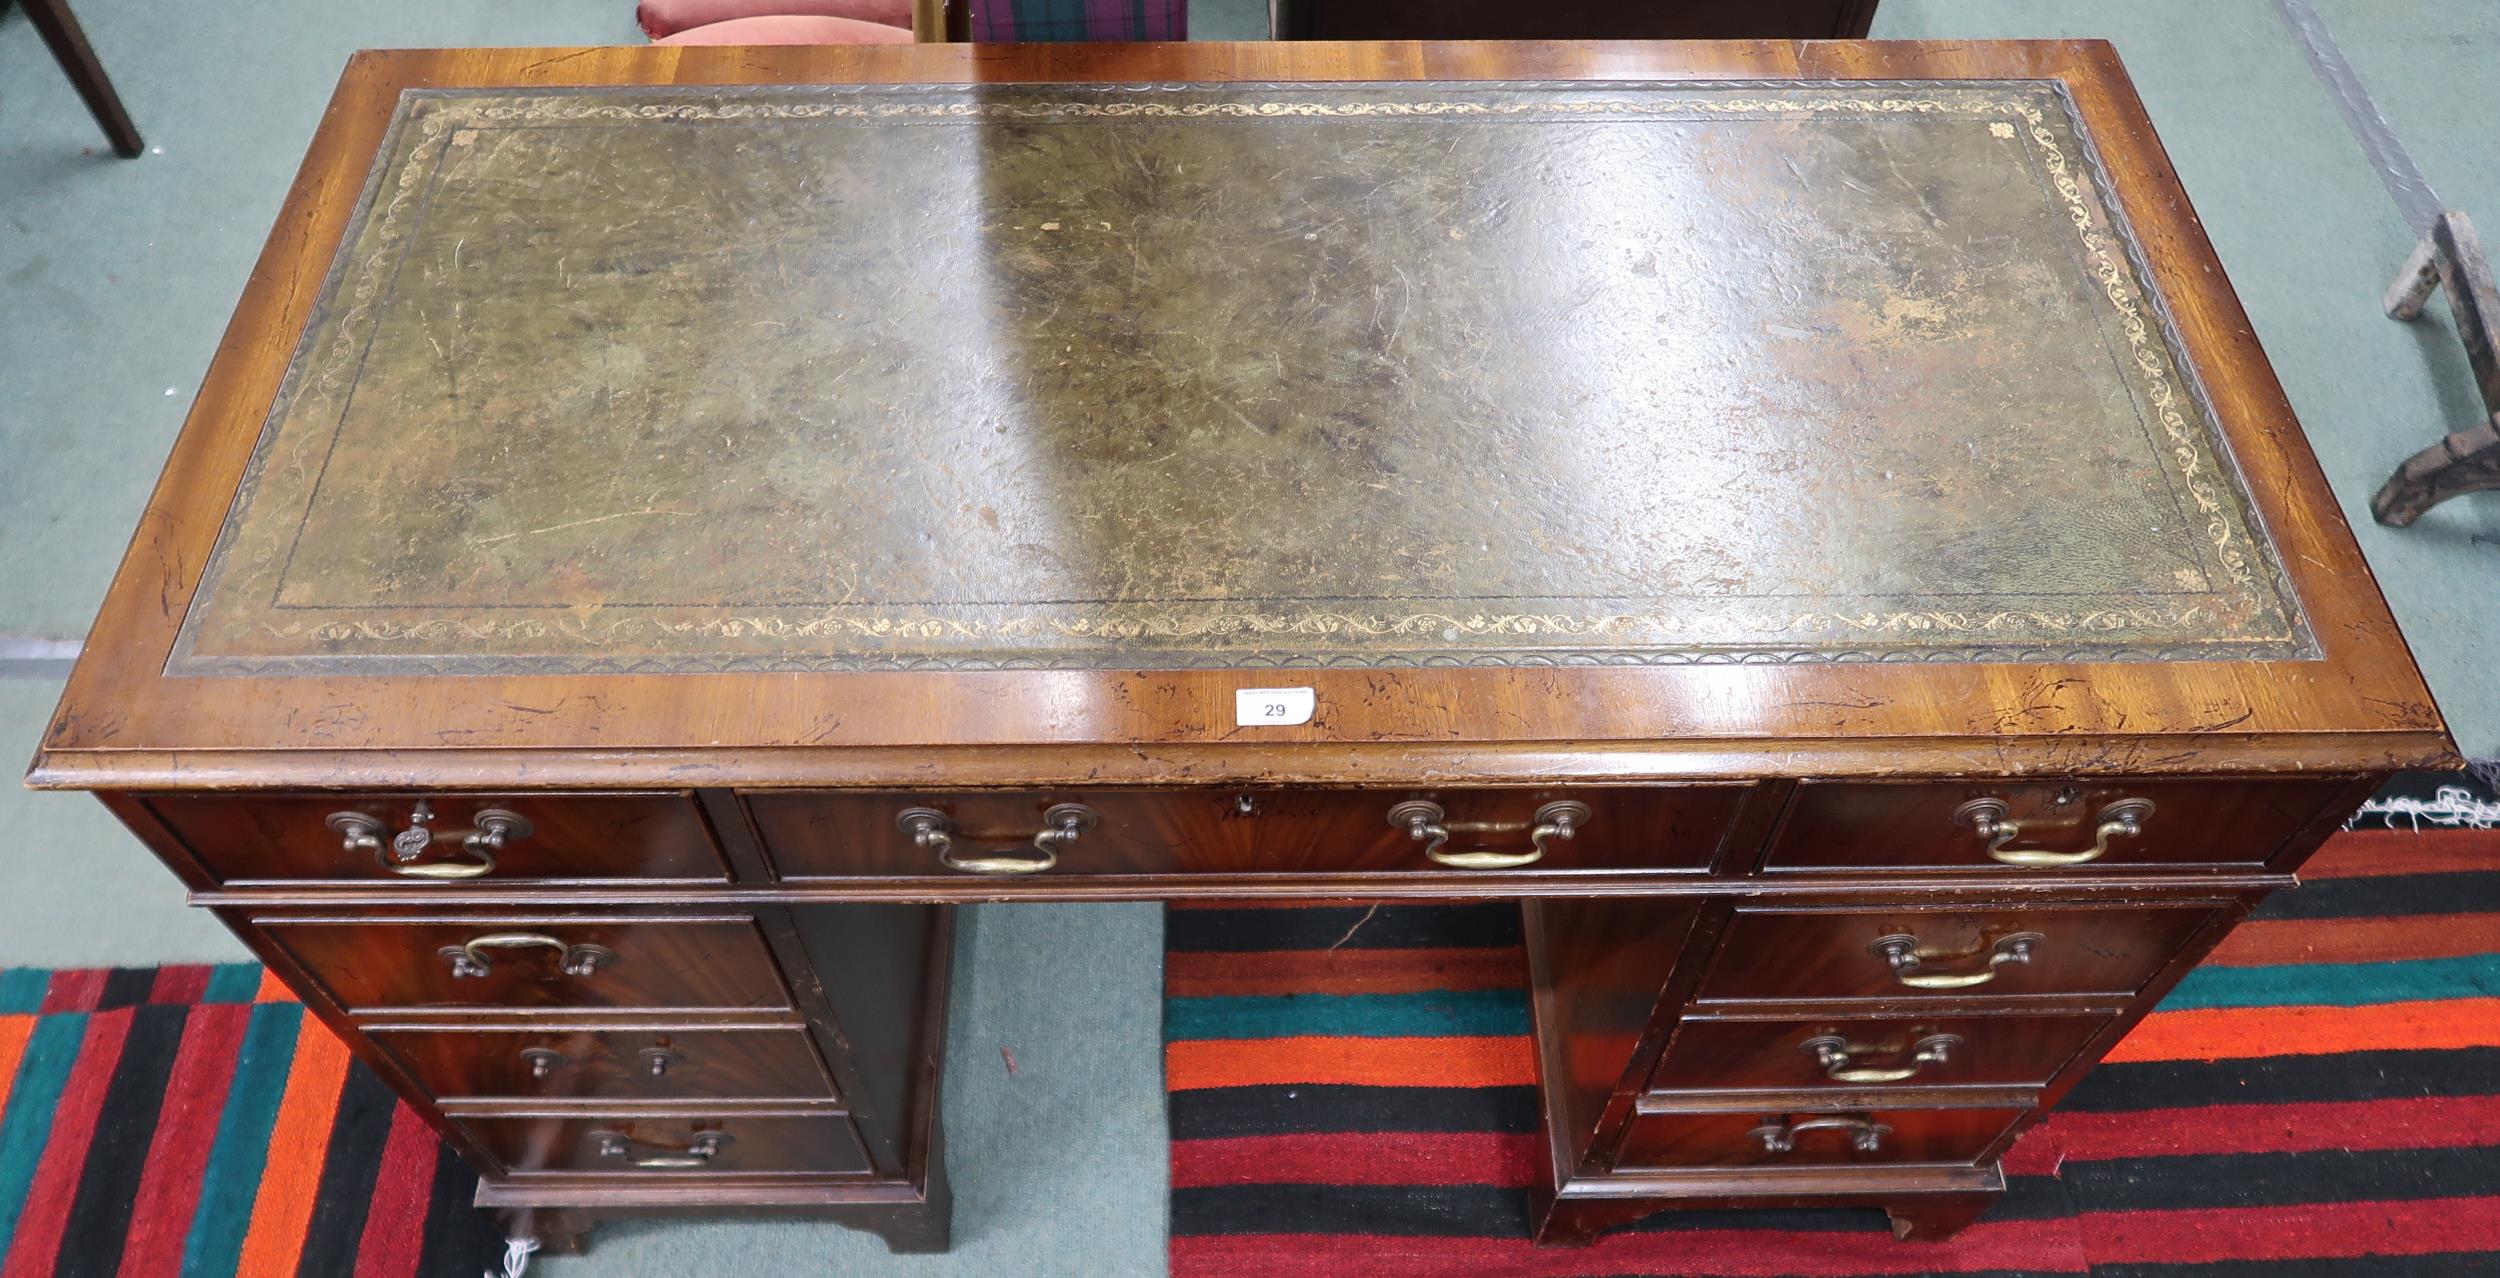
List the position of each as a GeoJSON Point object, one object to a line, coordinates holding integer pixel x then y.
{"type": "Point", "coordinates": [670, 1144]}
{"type": "Point", "coordinates": [841, 834]}
{"type": "Point", "coordinates": [1808, 1138]}
{"type": "Point", "coordinates": [1908, 951]}
{"type": "Point", "coordinates": [1850, 1051]}
{"type": "Point", "coordinates": [302, 838]}
{"type": "Point", "coordinates": [470, 1063]}
{"type": "Point", "coordinates": [2238, 824]}
{"type": "Point", "coordinates": [491, 962]}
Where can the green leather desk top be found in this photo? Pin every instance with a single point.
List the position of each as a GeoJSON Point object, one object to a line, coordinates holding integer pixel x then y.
{"type": "Point", "coordinates": [1141, 377]}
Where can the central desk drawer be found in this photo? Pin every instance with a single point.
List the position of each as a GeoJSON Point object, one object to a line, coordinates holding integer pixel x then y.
{"type": "Point", "coordinates": [534, 1063]}
{"type": "Point", "coordinates": [844, 834]}
{"type": "Point", "coordinates": [668, 1144]}
{"type": "Point", "coordinates": [1908, 951]}
{"type": "Point", "coordinates": [529, 962]}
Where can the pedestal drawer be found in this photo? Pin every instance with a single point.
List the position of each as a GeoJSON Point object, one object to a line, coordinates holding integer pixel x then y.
{"type": "Point", "coordinates": [2235, 824]}
{"type": "Point", "coordinates": [814, 835]}
{"type": "Point", "coordinates": [586, 1063]}
{"type": "Point", "coordinates": [491, 838]}
{"type": "Point", "coordinates": [488, 962]}
{"type": "Point", "coordinates": [670, 1145]}
{"type": "Point", "coordinates": [1813, 1138]}
{"type": "Point", "coordinates": [1850, 1051]}
{"type": "Point", "coordinates": [2049, 948]}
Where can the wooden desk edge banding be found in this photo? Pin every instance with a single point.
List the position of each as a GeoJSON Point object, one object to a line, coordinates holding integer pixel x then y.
{"type": "Point", "coordinates": [1801, 931]}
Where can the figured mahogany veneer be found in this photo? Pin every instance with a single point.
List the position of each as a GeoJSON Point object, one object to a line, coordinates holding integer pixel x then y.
{"type": "Point", "coordinates": [243, 839]}
{"type": "Point", "coordinates": [2108, 949]}
{"type": "Point", "coordinates": [1851, 1051]}
{"type": "Point", "coordinates": [672, 1145]}
{"type": "Point", "coordinates": [2238, 823]}
{"type": "Point", "coordinates": [534, 961]}
{"type": "Point", "coordinates": [1922, 590]}
{"type": "Point", "coordinates": [1247, 831]}
{"type": "Point", "coordinates": [1776, 1137]}
{"type": "Point", "coordinates": [473, 1063]}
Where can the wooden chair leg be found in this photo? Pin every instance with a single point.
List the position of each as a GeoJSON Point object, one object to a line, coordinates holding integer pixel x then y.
{"type": "Point", "coordinates": [60, 30]}
{"type": "Point", "coordinates": [2450, 256]}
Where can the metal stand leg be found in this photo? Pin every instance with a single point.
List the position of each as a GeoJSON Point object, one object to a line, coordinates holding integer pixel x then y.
{"type": "Point", "coordinates": [2450, 256]}
{"type": "Point", "coordinates": [61, 31]}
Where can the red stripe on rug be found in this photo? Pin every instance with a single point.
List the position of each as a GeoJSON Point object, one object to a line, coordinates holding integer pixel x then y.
{"type": "Point", "coordinates": [1386, 971]}
{"type": "Point", "coordinates": [2301, 1231]}
{"type": "Point", "coordinates": [186, 1129]}
{"type": "Point", "coordinates": [2240, 1032]}
{"type": "Point", "coordinates": [46, 1214]}
{"type": "Point", "coordinates": [76, 989]}
{"type": "Point", "coordinates": [394, 1237]}
{"type": "Point", "coordinates": [2267, 942]}
{"type": "Point", "coordinates": [181, 983]}
{"type": "Point", "coordinates": [1462, 1061]}
{"type": "Point", "coordinates": [2427, 1122]}
{"type": "Point", "coordinates": [2031, 1246]}
{"type": "Point", "coordinates": [2357, 854]}
{"type": "Point", "coordinates": [1358, 1158]}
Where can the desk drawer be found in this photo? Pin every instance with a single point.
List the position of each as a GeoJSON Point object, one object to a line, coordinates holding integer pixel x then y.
{"type": "Point", "coordinates": [1810, 1138]}
{"type": "Point", "coordinates": [670, 1145]}
{"type": "Point", "coordinates": [519, 838]}
{"type": "Point", "coordinates": [812, 835]}
{"type": "Point", "coordinates": [2043, 825]}
{"type": "Point", "coordinates": [1849, 1051]}
{"type": "Point", "coordinates": [531, 1063]}
{"type": "Point", "coordinates": [1910, 951]}
{"type": "Point", "coordinates": [503, 962]}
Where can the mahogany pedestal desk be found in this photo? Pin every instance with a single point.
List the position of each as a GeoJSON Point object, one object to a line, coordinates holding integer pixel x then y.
{"type": "Point", "coordinates": [1810, 522]}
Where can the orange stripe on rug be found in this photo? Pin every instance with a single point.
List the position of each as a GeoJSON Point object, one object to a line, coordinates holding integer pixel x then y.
{"type": "Point", "coordinates": [272, 990]}
{"type": "Point", "coordinates": [1388, 971]}
{"type": "Point", "coordinates": [297, 1146]}
{"type": "Point", "coordinates": [14, 1031]}
{"type": "Point", "coordinates": [2266, 942]}
{"type": "Point", "coordinates": [2240, 1032]}
{"type": "Point", "coordinates": [1486, 1061]}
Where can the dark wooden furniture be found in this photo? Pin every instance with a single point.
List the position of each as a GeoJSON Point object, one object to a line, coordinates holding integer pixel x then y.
{"type": "Point", "coordinates": [1811, 521]}
{"type": "Point", "coordinates": [1570, 19]}
{"type": "Point", "coordinates": [2450, 256]}
{"type": "Point", "coordinates": [68, 42]}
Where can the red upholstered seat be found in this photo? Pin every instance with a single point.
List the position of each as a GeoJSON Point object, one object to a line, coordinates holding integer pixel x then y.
{"type": "Point", "coordinates": [661, 18]}
{"type": "Point", "coordinates": [790, 29]}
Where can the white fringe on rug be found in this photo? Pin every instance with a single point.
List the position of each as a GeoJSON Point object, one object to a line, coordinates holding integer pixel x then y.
{"type": "Point", "coordinates": [516, 1258]}
{"type": "Point", "coordinates": [2451, 807]}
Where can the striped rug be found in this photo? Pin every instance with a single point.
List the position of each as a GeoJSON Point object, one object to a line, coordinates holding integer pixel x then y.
{"type": "Point", "coordinates": [191, 1122]}
{"type": "Point", "coordinates": [1351, 1093]}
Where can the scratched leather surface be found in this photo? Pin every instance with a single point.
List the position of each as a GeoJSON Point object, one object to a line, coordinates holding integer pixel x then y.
{"type": "Point", "coordinates": [836, 378]}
